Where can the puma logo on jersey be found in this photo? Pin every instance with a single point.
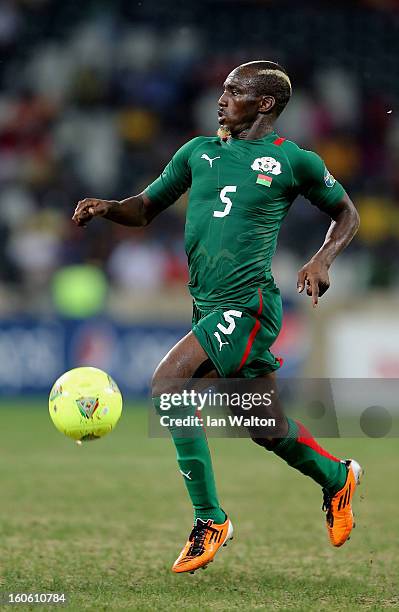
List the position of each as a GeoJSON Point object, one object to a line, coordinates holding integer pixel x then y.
{"type": "Point", "coordinates": [210, 160]}
{"type": "Point", "coordinates": [186, 475]}
{"type": "Point", "coordinates": [221, 343]}
{"type": "Point", "coordinates": [267, 164]}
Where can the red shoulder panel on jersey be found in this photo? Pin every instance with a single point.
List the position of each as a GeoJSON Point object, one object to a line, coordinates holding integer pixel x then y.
{"type": "Point", "coordinates": [279, 141]}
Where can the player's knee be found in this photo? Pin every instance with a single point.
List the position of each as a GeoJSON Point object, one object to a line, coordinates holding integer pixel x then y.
{"type": "Point", "coordinates": [159, 384]}
{"type": "Point", "coordinates": [165, 379]}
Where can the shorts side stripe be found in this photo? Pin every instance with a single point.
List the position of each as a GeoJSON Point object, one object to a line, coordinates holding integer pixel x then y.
{"type": "Point", "coordinates": [253, 333]}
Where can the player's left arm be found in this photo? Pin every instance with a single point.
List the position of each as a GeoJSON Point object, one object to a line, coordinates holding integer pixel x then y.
{"type": "Point", "coordinates": [344, 225]}
{"type": "Point", "coordinates": [312, 179]}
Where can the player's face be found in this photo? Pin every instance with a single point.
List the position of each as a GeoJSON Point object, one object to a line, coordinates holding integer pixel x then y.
{"type": "Point", "coordinates": [238, 105]}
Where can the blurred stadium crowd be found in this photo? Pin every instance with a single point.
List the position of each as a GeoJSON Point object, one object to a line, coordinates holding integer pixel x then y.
{"type": "Point", "coordinates": [95, 98]}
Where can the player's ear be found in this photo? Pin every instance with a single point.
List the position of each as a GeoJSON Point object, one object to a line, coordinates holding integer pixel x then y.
{"type": "Point", "coordinates": [267, 103]}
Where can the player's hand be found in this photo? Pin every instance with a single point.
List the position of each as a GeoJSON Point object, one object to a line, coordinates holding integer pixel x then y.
{"type": "Point", "coordinates": [313, 276]}
{"type": "Point", "coordinates": [89, 208]}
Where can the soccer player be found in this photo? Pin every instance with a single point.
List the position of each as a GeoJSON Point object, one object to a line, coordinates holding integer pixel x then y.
{"type": "Point", "coordinates": [242, 183]}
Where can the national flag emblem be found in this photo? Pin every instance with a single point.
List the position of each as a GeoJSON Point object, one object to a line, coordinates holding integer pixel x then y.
{"type": "Point", "coordinates": [262, 179]}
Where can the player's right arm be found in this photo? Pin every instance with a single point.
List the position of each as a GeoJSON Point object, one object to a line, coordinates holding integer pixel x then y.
{"type": "Point", "coordinates": [141, 209]}
{"type": "Point", "coordinates": [136, 211]}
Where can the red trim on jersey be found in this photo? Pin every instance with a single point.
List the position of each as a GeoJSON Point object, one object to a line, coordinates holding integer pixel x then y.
{"type": "Point", "coordinates": [253, 333]}
{"type": "Point", "coordinates": [280, 360]}
{"type": "Point", "coordinates": [305, 437]}
{"type": "Point", "coordinates": [279, 141]}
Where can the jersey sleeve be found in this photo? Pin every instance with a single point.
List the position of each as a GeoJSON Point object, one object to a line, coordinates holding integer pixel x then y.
{"type": "Point", "coordinates": [175, 178]}
{"type": "Point", "coordinates": [314, 181]}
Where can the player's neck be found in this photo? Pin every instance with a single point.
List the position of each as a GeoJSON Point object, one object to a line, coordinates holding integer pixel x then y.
{"type": "Point", "coordinates": [259, 129]}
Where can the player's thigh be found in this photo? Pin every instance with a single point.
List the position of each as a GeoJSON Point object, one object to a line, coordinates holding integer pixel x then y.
{"type": "Point", "coordinates": [185, 360]}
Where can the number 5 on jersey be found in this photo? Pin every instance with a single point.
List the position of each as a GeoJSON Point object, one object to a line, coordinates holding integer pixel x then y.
{"type": "Point", "coordinates": [225, 200]}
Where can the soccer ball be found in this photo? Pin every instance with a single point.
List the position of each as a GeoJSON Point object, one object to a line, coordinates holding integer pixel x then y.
{"type": "Point", "coordinates": [85, 404]}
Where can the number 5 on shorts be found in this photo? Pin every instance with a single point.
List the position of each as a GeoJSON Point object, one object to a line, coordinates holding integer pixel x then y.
{"type": "Point", "coordinates": [229, 318]}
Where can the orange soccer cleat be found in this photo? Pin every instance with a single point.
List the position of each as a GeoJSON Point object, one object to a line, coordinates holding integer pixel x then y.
{"type": "Point", "coordinates": [338, 508]}
{"type": "Point", "coordinates": [202, 545]}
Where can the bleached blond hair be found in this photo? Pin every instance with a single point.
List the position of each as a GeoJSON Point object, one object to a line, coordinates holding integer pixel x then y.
{"type": "Point", "coordinates": [272, 69]}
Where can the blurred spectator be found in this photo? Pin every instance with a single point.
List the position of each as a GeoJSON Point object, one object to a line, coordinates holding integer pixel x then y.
{"type": "Point", "coordinates": [137, 265]}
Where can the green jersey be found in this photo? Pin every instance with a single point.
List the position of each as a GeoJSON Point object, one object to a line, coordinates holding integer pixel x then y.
{"type": "Point", "coordinates": [240, 192]}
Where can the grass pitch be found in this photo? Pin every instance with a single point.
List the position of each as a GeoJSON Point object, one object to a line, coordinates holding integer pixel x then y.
{"type": "Point", "coordinates": [104, 522]}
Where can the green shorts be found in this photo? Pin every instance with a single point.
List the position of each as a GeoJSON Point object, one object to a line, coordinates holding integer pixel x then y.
{"type": "Point", "coordinates": [238, 338]}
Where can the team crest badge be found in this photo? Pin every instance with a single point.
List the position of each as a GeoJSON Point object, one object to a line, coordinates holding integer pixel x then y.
{"type": "Point", "coordinates": [267, 164]}
{"type": "Point", "coordinates": [87, 406]}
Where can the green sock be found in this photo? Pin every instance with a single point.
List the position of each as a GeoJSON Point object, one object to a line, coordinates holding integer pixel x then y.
{"type": "Point", "coordinates": [301, 451]}
{"type": "Point", "coordinates": [195, 465]}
